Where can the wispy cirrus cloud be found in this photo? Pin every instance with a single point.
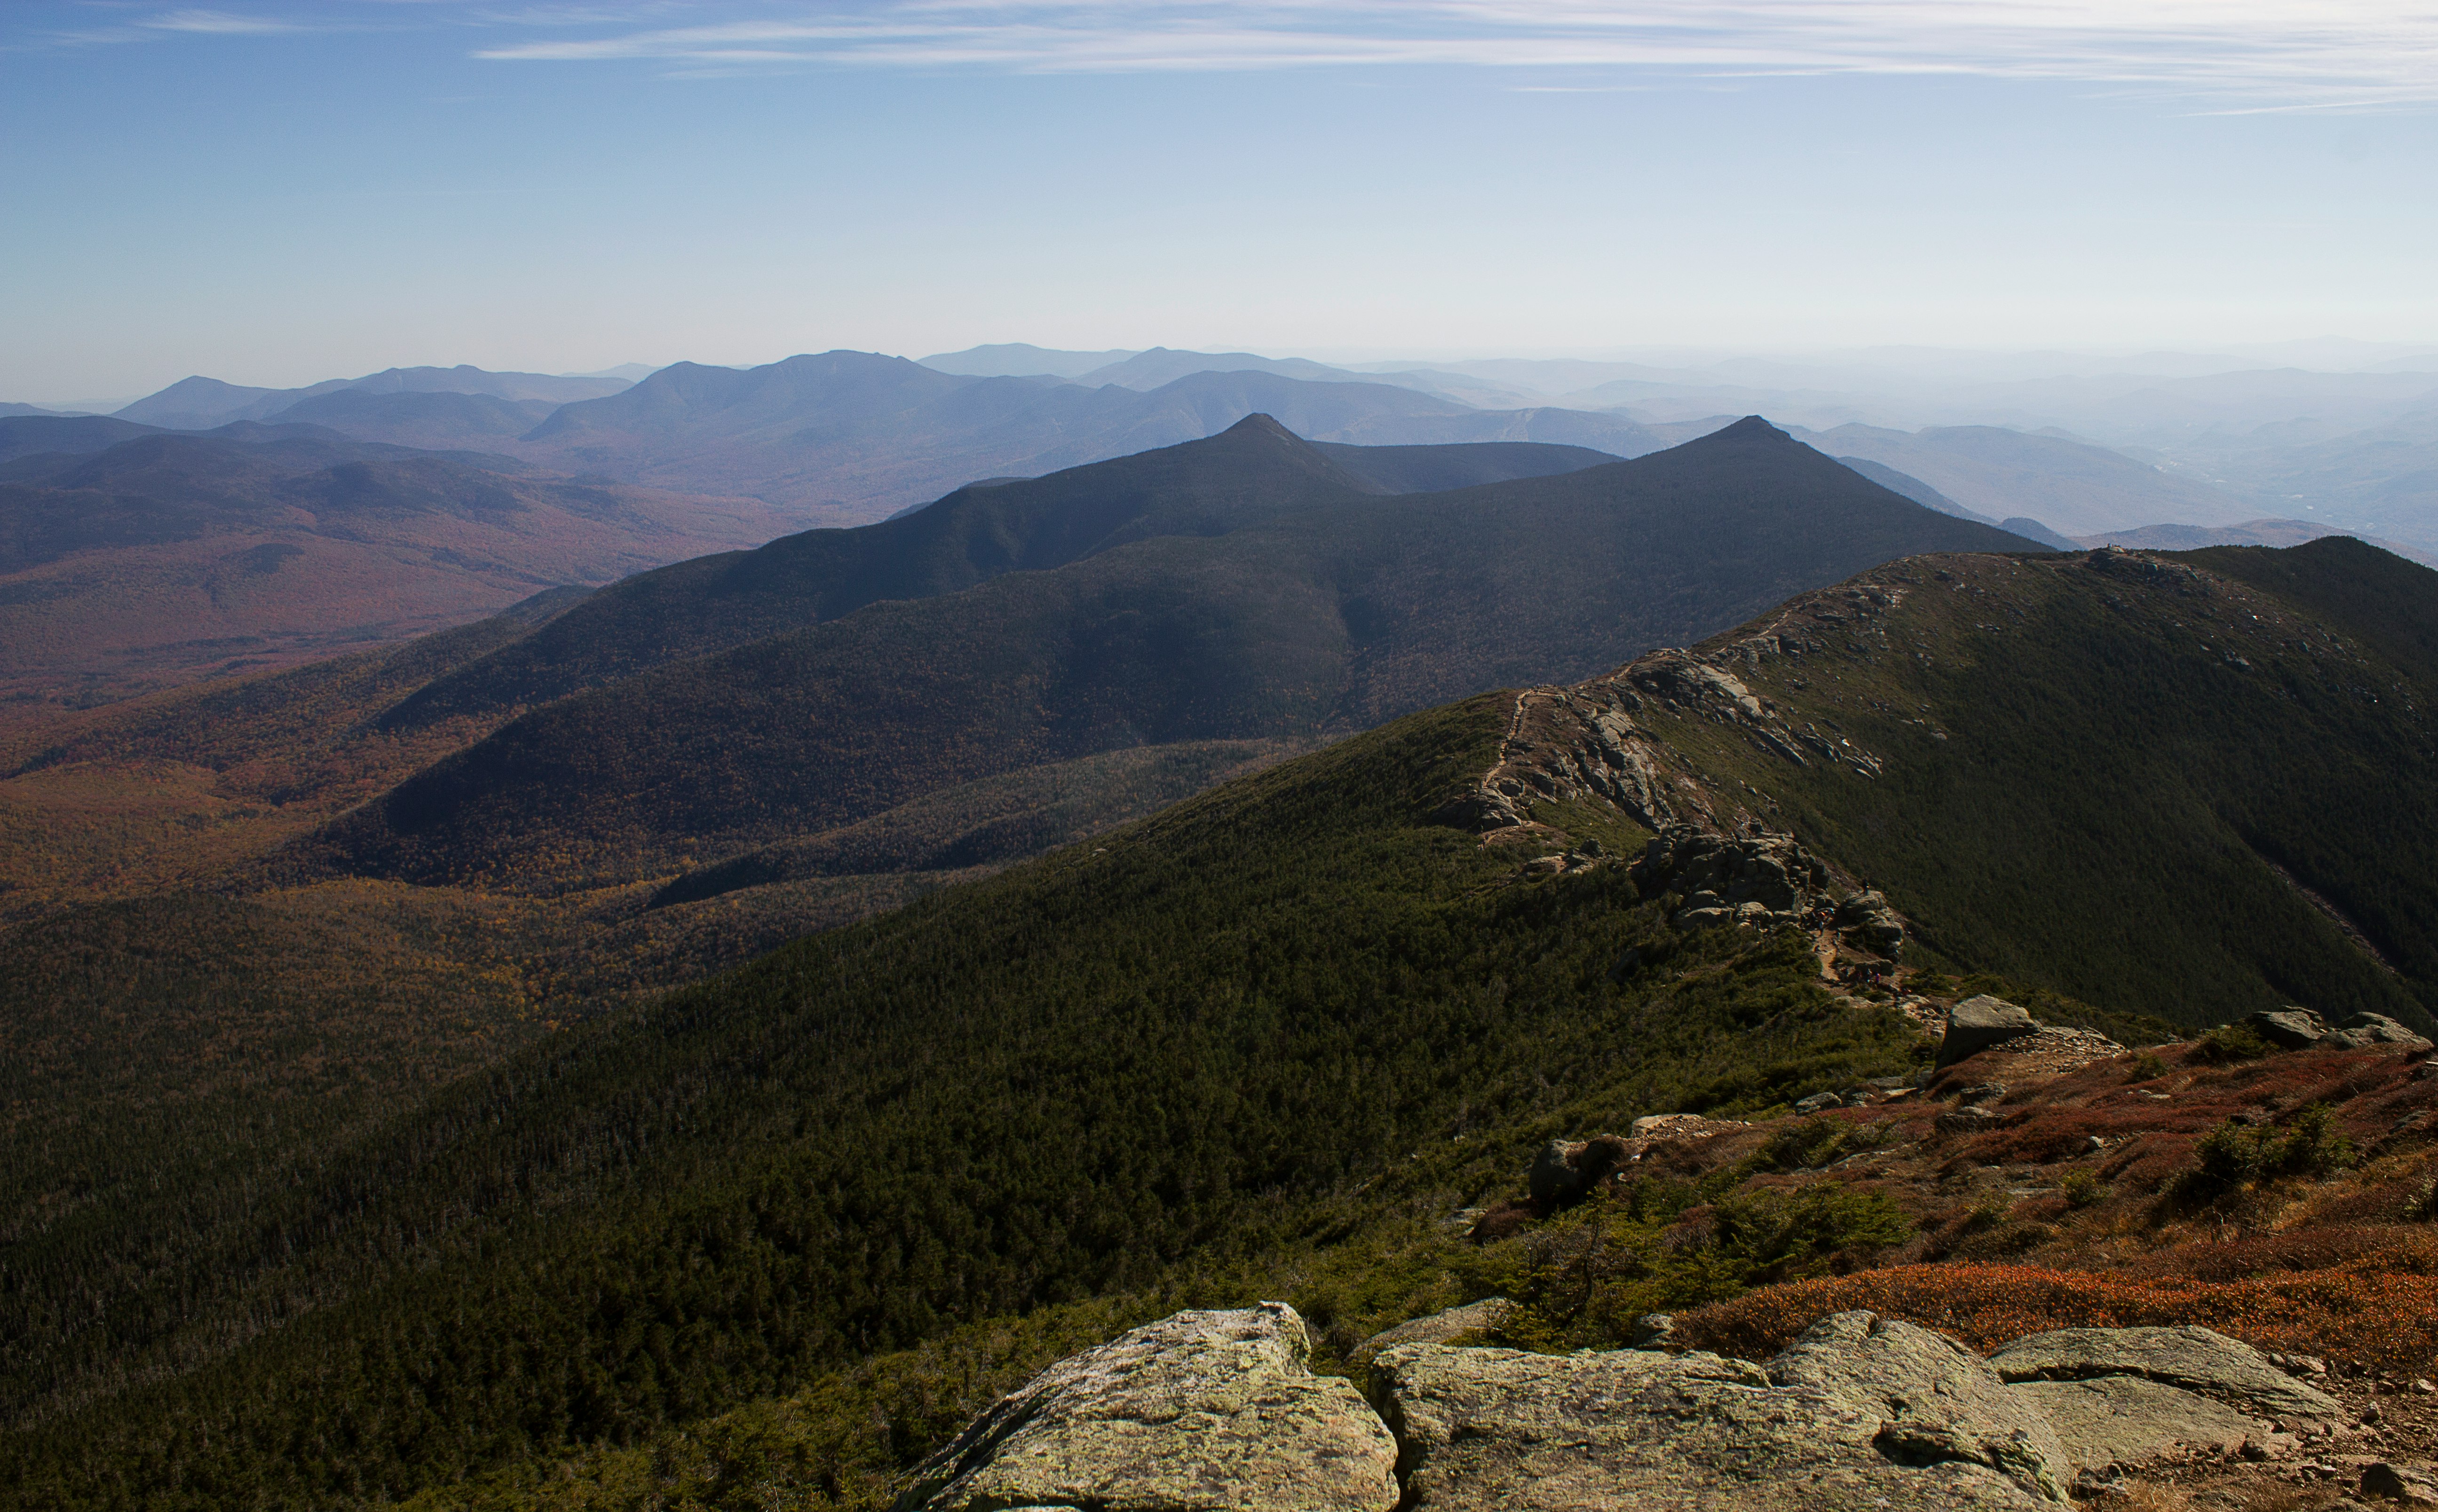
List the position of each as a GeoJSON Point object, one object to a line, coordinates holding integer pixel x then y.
{"type": "Point", "coordinates": [218, 23]}
{"type": "Point", "coordinates": [2294, 50]}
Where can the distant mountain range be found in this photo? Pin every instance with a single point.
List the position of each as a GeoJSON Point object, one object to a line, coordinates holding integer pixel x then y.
{"type": "Point", "coordinates": [2228, 443]}
{"type": "Point", "coordinates": [844, 438]}
{"type": "Point", "coordinates": [201, 403]}
{"type": "Point", "coordinates": [2071, 486]}
{"type": "Point", "coordinates": [1022, 360]}
{"type": "Point", "coordinates": [848, 437]}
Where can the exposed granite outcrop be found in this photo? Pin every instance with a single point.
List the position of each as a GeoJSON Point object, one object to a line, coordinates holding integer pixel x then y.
{"type": "Point", "coordinates": [1217, 1409]}
{"type": "Point", "coordinates": [2125, 1421]}
{"type": "Point", "coordinates": [1585, 742]}
{"type": "Point", "coordinates": [2364, 1030]}
{"type": "Point", "coordinates": [1862, 1413]}
{"type": "Point", "coordinates": [1763, 878]}
{"type": "Point", "coordinates": [2125, 1397]}
{"type": "Point", "coordinates": [2190, 1358]}
{"type": "Point", "coordinates": [1199, 1411]}
{"type": "Point", "coordinates": [2289, 1029]}
{"type": "Point", "coordinates": [2299, 1029]}
{"type": "Point", "coordinates": [1977, 1023]}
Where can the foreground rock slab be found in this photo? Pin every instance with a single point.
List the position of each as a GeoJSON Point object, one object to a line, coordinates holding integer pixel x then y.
{"type": "Point", "coordinates": [2201, 1361]}
{"type": "Point", "coordinates": [1861, 1413]}
{"type": "Point", "coordinates": [1197, 1413]}
{"type": "Point", "coordinates": [2127, 1421]}
{"type": "Point", "coordinates": [1978, 1023]}
{"type": "Point", "coordinates": [2130, 1396]}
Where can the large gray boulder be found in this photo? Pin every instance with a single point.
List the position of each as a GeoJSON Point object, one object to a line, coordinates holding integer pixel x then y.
{"type": "Point", "coordinates": [2289, 1029]}
{"type": "Point", "coordinates": [1868, 1414]}
{"type": "Point", "coordinates": [1865, 920]}
{"type": "Point", "coordinates": [1978, 1023]}
{"type": "Point", "coordinates": [2364, 1030]}
{"type": "Point", "coordinates": [1198, 1412]}
{"type": "Point", "coordinates": [2199, 1361]}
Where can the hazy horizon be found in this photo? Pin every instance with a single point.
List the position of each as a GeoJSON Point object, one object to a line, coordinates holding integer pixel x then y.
{"type": "Point", "coordinates": [274, 194]}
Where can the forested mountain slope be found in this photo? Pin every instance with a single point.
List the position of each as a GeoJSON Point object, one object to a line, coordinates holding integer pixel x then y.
{"type": "Point", "coordinates": [1327, 618]}
{"type": "Point", "coordinates": [1213, 1051]}
{"type": "Point", "coordinates": [1252, 471]}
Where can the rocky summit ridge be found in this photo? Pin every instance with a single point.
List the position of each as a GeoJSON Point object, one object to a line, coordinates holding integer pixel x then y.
{"type": "Point", "coordinates": [1216, 1410]}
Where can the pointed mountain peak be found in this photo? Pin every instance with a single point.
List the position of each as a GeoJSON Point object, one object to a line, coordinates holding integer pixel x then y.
{"type": "Point", "coordinates": [1260, 424]}
{"type": "Point", "coordinates": [1750, 427]}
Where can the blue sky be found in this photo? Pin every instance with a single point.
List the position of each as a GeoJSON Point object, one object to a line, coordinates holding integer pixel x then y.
{"type": "Point", "coordinates": [276, 193]}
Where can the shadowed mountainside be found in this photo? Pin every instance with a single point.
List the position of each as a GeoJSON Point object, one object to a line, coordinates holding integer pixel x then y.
{"type": "Point", "coordinates": [1437, 469]}
{"type": "Point", "coordinates": [25, 435]}
{"type": "Point", "coordinates": [1253, 470]}
{"type": "Point", "coordinates": [413, 418]}
{"type": "Point", "coordinates": [1332, 616]}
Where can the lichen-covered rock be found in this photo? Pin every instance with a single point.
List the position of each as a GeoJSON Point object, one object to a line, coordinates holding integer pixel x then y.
{"type": "Point", "coordinates": [2196, 1360]}
{"type": "Point", "coordinates": [2289, 1029]}
{"type": "Point", "coordinates": [1937, 1401]}
{"type": "Point", "coordinates": [1762, 878]}
{"type": "Point", "coordinates": [1868, 921]}
{"type": "Point", "coordinates": [1898, 1425]}
{"type": "Point", "coordinates": [2364, 1030]}
{"type": "Point", "coordinates": [1978, 1023]}
{"type": "Point", "coordinates": [2128, 1421]}
{"type": "Point", "coordinates": [1197, 1413]}
{"type": "Point", "coordinates": [1440, 1328]}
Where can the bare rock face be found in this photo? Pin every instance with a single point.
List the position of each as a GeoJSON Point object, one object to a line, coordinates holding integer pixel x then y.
{"type": "Point", "coordinates": [2289, 1029]}
{"type": "Point", "coordinates": [1474, 1318]}
{"type": "Point", "coordinates": [1861, 1413]}
{"type": "Point", "coordinates": [1761, 878]}
{"type": "Point", "coordinates": [1978, 1023]}
{"type": "Point", "coordinates": [2200, 1361]}
{"type": "Point", "coordinates": [2127, 1421]}
{"type": "Point", "coordinates": [2413, 1487]}
{"type": "Point", "coordinates": [1865, 920]}
{"type": "Point", "coordinates": [1212, 1410]}
{"type": "Point", "coordinates": [2364, 1030]}
{"type": "Point", "coordinates": [1197, 1413]}
{"type": "Point", "coordinates": [1938, 1401]}
{"type": "Point", "coordinates": [2127, 1396]}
